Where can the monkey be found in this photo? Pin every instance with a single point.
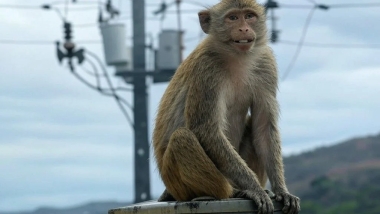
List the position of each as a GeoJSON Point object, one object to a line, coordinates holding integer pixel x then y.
{"type": "Point", "coordinates": [216, 130]}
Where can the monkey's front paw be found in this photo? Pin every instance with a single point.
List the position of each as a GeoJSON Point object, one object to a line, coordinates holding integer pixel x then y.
{"type": "Point", "coordinates": [291, 202]}
{"type": "Point", "coordinates": [260, 197]}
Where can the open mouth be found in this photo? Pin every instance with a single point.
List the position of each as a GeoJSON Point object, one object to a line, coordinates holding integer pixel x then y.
{"type": "Point", "coordinates": [245, 41]}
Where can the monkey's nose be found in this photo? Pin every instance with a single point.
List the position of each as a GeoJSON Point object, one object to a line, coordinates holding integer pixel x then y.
{"type": "Point", "coordinates": [243, 29]}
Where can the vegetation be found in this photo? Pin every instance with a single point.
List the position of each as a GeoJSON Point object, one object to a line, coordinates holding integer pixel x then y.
{"type": "Point", "coordinates": [344, 178]}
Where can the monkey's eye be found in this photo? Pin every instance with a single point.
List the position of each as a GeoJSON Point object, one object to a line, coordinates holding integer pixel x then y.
{"type": "Point", "coordinates": [250, 16]}
{"type": "Point", "coordinates": [233, 17]}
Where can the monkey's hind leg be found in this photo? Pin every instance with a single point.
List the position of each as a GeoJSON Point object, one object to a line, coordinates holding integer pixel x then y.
{"type": "Point", "coordinates": [188, 172]}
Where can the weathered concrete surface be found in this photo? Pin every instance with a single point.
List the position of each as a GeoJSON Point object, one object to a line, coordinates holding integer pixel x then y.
{"type": "Point", "coordinates": [230, 206]}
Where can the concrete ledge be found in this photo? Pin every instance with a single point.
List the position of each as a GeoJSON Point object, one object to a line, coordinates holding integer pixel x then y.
{"type": "Point", "coordinates": [230, 206]}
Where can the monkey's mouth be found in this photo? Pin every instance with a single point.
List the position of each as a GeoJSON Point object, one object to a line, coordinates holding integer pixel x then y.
{"type": "Point", "coordinates": [245, 41]}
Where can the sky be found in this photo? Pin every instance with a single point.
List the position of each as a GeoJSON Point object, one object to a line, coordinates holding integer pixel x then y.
{"type": "Point", "coordinates": [63, 144]}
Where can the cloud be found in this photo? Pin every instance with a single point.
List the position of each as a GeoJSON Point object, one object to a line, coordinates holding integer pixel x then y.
{"type": "Point", "coordinates": [325, 104]}
{"type": "Point", "coordinates": [63, 144]}
{"type": "Point", "coordinates": [44, 169]}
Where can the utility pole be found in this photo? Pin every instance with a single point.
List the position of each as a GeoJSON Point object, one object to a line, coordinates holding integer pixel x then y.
{"type": "Point", "coordinates": [179, 22]}
{"type": "Point", "coordinates": [137, 77]}
{"type": "Point", "coordinates": [272, 5]}
{"type": "Point", "coordinates": [141, 151]}
{"type": "Point", "coordinates": [116, 55]}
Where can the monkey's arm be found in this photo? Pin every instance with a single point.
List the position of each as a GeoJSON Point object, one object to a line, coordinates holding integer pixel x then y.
{"type": "Point", "coordinates": [205, 112]}
{"type": "Point", "coordinates": [265, 113]}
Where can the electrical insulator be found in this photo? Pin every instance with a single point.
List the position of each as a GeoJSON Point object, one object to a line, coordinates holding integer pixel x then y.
{"type": "Point", "coordinates": [274, 36]}
{"type": "Point", "coordinates": [68, 31]}
{"type": "Point", "coordinates": [271, 4]}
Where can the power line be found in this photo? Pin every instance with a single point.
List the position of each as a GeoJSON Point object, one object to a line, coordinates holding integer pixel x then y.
{"type": "Point", "coordinates": [354, 5]}
{"type": "Point", "coordinates": [118, 99]}
{"type": "Point", "coordinates": [328, 6]}
{"type": "Point", "coordinates": [332, 45]}
{"type": "Point", "coordinates": [44, 6]}
{"type": "Point", "coordinates": [100, 90]}
{"type": "Point", "coordinates": [103, 92]}
{"type": "Point", "coordinates": [42, 42]}
{"type": "Point", "coordinates": [96, 73]}
{"type": "Point", "coordinates": [294, 6]}
{"type": "Point", "coordinates": [80, 2]}
{"type": "Point", "coordinates": [20, 6]}
{"type": "Point", "coordinates": [312, 1]}
{"type": "Point", "coordinates": [25, 42]}
{"type": "Point", "coordinates": [300, 44]}
{"type": "Point", "coordinates": [72, 9]}
{"type": "Point", "coordinates": [66, 9]}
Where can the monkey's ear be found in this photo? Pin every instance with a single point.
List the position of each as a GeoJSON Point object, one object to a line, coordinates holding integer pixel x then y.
{"type": "Point", "coordinates": [205, 20]}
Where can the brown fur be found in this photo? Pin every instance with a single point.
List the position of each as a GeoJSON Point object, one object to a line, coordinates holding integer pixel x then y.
{"type": "Point", "coordinates": [203, 142]}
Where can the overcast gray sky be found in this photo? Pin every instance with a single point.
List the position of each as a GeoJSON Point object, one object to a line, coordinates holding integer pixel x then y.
{"type": "Point", "coordinates": [62, 144]}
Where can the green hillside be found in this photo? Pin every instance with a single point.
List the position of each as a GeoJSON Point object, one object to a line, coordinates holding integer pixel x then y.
{"type": "Point", "coordinates": [344, 178]}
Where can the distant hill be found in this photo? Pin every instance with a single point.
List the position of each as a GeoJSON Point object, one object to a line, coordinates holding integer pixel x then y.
{"type": "Point", "coordinates": [90, 208]}
{"type": "Point", "coordinates": [344, 178]}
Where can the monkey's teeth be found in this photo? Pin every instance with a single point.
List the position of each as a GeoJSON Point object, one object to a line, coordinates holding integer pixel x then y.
{"type": "Point", "coordinates": [243, 41]}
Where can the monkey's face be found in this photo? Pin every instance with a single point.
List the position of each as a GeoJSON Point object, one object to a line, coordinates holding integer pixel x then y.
{"type": "Point", "coordinates": [237, 25]}
{"type": "Point", "coordinates": [240, 25]}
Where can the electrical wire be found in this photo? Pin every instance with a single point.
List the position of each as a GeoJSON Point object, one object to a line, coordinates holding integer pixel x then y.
{"type": "Point", "coordinates": [97, 75]}
{"type": "Point", "coordinates": [312, 1]}
{"type": "Point", "coordinates": [85, 25]}
{"type": "Point", "coordinates": [25, 42]}
{"type": "Point", "coordinates": [284, 42]}
{"type": "Point", "coordinates": [98, 86]}
{"type": "Point", "coordinates": [196, 3]}
{"type": "Point", "coordinates": [332, 45]}
{"type": "Point", "coordinates": [331, 6]}
{"type": "Point", "coordinates": [80, 2]}
{"type": "Point", "coordinates": [294, 6]}
{"type": "Point", "coordinates": [66, 9]}
{"type": "Point", "coordinates": [300, 44]}
{"type": "Point", "coordinates": [72, 9]}
{"type": "Point", "coordinates": [90, 85]}
{"type": "Point", "coordinates": [59, 13]}
{"type": "Point", "coordinates": [20, 6]}
{"type": "Point", "coordinates": [91, 73]}
{"type": "Point", "coordinates": [118, 88]}
{"type": "Point", "coordinates": [106, 75]}
{"type": "Point", "coordinates": [96, 72]}
{"type": "Point", "coordinates": [353, 5]}
{"type": "Point", "coordinates": [42, 42]}
{"type": "Point", "coordinates": [39, 7]}
{"type": "Point", "coordinates": [105, 93]}
{"type": "Point", "coordinates": [118, 99]}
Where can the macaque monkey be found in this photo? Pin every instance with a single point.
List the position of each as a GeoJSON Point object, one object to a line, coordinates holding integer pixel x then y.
{"type": "Point", "coordinates": [216, 131]}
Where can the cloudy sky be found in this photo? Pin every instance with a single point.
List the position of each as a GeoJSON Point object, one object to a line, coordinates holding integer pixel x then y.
{"type": "Point", "coordinates": [62, 144]}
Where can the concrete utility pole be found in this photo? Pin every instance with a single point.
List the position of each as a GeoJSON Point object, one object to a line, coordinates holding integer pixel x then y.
{"type": "Point", "coordinates": [116, 55]}
{"type": "Point", "coordinates": [137, 77]}
{"type": "Point", "coordinates": [142, 181]}
{"type": "Point", "coordinates": [179, 22]}
{"type": "Point", "coordinates": [272, 5]}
